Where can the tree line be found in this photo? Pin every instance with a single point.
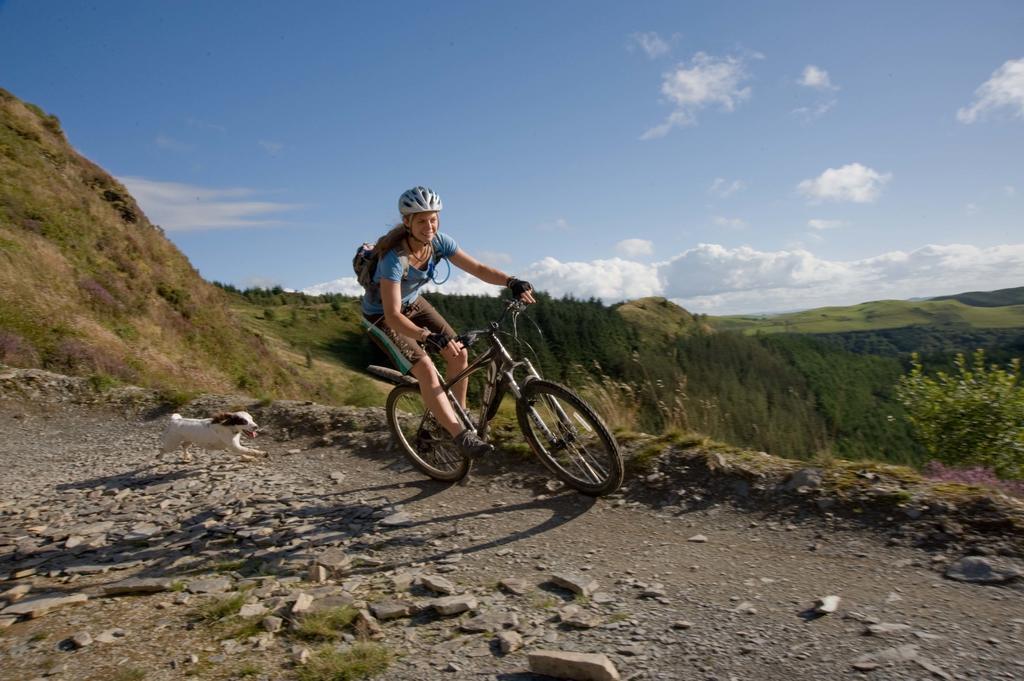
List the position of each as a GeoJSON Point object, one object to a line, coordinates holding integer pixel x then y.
{"type": "Point", "coordinates": [792, 395]}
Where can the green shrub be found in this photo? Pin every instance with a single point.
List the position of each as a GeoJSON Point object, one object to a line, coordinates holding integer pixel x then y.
{"type": "Point", "coordinates": [101, 383]}
{"type": "Point", "coordinates": [974, 417]}
{"type": "Point", "coordinates": [176, 398]}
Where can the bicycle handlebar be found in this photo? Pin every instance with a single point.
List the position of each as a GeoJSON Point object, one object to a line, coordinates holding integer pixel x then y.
{"type": "Point", "coordinates": [470, 337]}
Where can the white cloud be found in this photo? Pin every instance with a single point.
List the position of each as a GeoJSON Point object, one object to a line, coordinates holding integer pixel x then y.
{"type": "Point", "coordinates": [182, 207]}
{"type": "Point", "coordinates": [819, 224]}
{"type": "Point", "coordinates": [465, 284]}
{"type": "Point", "coordinates": [458, 283]}
{"type": "Point", "coordinates": [611, 280]}
{"type": "Point", "coordinates": [853, 182]}
{"type": "Point", "coordinates": [559, 225]}
{"type": "Point", "coordinates": [493, 257]}
{"type": "Point", "coordinates": [347, 286]}
{"type": "Point", "coordinates": [635, 248]}
{"type": "Point", "coordinates": [165, 142]}
{"type": "Point", "coordinates": [719, 280]}
{"type": "Point", "coordinates": [724, 188]}
{"type": "Point", "coordinates": [730, 223]}
{"type": "Point", "coordinates": [711, 278]}
{"type": "Point", "coordinates": [809, 113]}
{"type": "Point", "coordinates": [1004, 89]}
{"type": "Point", "coordinates": [816, 78]}
{"type": "Point", "coordinates": [707, 81]}
{"type": "Point", "coordinates": [272, 148]}
{"type": "Point", "coordinates": [203, 125]}
{"type": "Point", "coordinates": [651, 43]}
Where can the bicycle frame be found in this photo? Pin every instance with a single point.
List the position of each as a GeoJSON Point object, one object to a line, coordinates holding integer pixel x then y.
{"type": "Point", "coordinates": [564, 432]}
{"type": "Point", "coordinates": [500, 377]}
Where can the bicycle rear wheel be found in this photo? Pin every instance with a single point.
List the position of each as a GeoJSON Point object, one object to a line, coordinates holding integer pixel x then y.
{"type": "Point", "coordinates": [569, 438]}
{"type": "Point", "coordinates": [421, 438]}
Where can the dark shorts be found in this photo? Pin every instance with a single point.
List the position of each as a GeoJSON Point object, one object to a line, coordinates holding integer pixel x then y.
{"type": "Point", "coordinates": [403, 351]}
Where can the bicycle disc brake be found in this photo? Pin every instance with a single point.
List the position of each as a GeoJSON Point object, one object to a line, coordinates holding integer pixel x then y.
{"type": "Point", "coordinates": [427, 435]}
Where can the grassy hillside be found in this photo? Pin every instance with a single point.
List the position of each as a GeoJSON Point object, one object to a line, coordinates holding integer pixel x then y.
{"type": "Point", "coordinates": [998, 298]}
{"type": "Point", "coordinates": [88, 286]}
{"type": "Point", "coordinates": [661, 320]}
{"type": "Point", "coordinates": [875, 315]}
{"type": "Point", "coordinates": [322, 333]}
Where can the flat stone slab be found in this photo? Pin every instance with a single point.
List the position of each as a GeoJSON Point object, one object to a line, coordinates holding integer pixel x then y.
{"type": "Point", "coordinates": [438, 585]}
{"type": "Point", "coordinates": [303, 602]}
{"type": "Point", "coordinates": [16, 593]}
{"type": "Point", "coordinates": [332, 602]}
{"type": "Point", "coordinates": [252, 610]}
{"type": "Point", "coordinates": [574, 616]}
{"type": "Point", "coordinates": [898, 654]}
{"type": "Point", "coordinates": [390, 610]}
{"type": "Point", "coordinates": [216, 585]}
{"type": "Point", "coordinates": [453, 605]}
{"type": "Point", "coordinates": [982, 570]}
{"type": "Point", "coordinates": [137, 585]}
{"type": "Point", "coordinates": [397, 519]}
{"type": "Point", "coordinates": [509, 641]}
{"type": "Point", "coordinates": [570, 665]}
{"type": "Point", "coordinates": [335, 560]}
{"type": "Point", "coordinates": [93, 528]}
{"type": "Point", "coordinates": [580, 584]}
{"type": "Point", "coordinates": [515, 585]}
{"type": "Point", "coordinates": [887, 629]}
{"type": "Point", "coordinates": [40, 605]}
{"type": "Point", "coordinates": [94, 569]}
{"type": "Point", "coordinates": [490, 621]}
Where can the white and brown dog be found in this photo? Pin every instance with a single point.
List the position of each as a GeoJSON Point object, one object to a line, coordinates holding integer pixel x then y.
{"type": "Point", "coordinates": [223, 431]}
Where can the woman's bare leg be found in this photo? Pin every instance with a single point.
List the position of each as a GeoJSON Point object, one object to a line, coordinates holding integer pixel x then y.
{"type": "Point", "coordinates": [452, 370]}
{"type": "Point", "coordinates": [434, 397]}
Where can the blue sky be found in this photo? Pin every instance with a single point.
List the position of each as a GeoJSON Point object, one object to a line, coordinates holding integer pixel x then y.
{"type": "Point", "coordinates": [733, 156]}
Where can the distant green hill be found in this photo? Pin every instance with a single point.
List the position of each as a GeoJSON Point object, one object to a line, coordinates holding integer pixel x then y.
{"type": "Point", "coordinates": [876, 315]}
{"type": "Point", "coordinates": [998, 298]}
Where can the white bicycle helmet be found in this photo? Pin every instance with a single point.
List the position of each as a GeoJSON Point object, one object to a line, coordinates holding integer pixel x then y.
{"type": "Point", "coordinates": [419, 200]}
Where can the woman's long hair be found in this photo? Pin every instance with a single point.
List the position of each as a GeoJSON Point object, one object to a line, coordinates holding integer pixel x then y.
{"type": "Point", "coordinates": [392, 239]}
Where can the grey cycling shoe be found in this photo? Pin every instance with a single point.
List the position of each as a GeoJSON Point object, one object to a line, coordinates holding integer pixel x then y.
{"type": "Point", "coordinates": [471, 445]}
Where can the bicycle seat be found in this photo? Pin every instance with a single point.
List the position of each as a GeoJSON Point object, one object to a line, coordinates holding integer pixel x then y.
{"type": "Point", "coordinates": [391, 376]}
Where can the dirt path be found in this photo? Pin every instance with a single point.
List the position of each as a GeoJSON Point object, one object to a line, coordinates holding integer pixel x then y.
{"type": "Point", "coordinates": [715, 593]}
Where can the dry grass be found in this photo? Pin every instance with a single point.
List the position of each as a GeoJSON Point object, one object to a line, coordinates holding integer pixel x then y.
{"type": "Point", "coordinates": [88, 286]}
{"type": "Point", "coordinates": [359, 661]}
{"type": "Point", "coordinates": [326, 625]}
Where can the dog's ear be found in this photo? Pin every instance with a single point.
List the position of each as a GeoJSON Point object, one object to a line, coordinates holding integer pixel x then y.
{"type": "Point", "coordinates": [226, 419]}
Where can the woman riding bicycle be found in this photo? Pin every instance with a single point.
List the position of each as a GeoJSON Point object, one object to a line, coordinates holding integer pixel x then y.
{"type": "Point", "coordinates": [402, 322]}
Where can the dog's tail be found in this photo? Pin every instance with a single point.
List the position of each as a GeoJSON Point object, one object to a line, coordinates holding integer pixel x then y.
{"type": "Point", "coordinates": [175, 417]}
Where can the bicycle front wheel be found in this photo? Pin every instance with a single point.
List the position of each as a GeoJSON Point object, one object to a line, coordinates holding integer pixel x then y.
{"type": "Point", "coordinates": [421, 438]}
{"type": "Point", "coordinates": [569, 438]}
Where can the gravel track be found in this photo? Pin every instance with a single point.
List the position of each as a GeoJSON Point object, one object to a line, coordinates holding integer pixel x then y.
{"type": "Point", "coordinates": [737, 605]}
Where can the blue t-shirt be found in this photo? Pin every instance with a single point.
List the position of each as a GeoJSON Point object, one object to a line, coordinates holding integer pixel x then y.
{"type": "Point", "coordinates": [390, 267]}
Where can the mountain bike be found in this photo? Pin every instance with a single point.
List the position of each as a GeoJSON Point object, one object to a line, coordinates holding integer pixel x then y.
{"type": "Point", "coordinates": [563, 431]}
